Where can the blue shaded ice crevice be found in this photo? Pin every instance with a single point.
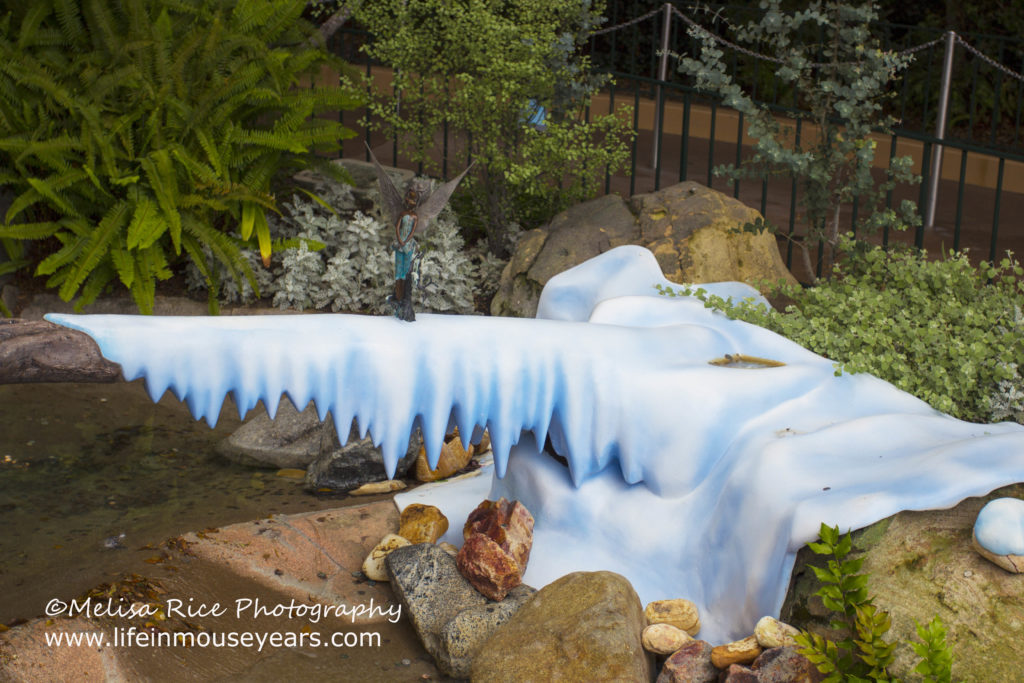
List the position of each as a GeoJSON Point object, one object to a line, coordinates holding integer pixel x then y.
{"type": "Point", "coordinates": [690, 479]}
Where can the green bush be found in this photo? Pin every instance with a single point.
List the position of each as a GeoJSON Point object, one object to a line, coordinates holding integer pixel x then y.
{"type": "Point", "coordinates": [134, 130]}
{"type": "Point", "coordinates": [949, 333]}
{"type": "Point", "coordinates": [481, 68]}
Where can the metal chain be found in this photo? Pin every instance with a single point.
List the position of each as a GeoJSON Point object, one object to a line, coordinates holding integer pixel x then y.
{"type": "Point", "coordinates": [988, 60]}
{"type": "Point", "coordinates": [719, 39]}
{"type": "Point", "coordinates": [776, 60]}
{"type": "Point", "coordinates": [627, 23]}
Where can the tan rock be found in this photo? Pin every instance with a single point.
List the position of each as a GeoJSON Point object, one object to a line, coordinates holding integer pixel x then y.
{"type": "Point", "coordinates": [770, 632]}
{"type": "Point", "coordinates": [483, 446]}
{"type": "Point", "coordinates": [453, 458]}
{"type": "Point", "coordinates": [422, 523]}
{"type": "Point", "coordinates": [679, 612]}
{"type": "Point", "coordinates": [373, 566]}
{"type": "Point", "coordinates": [584, 626]}
{"type": "Point", "coordinates": [377, 487]}
{"type": "Point", "coordinates": [737, 652]}
{"type": "Point", "coordinates": [448, 548]}
{"type": "Point", "coordinates": [664, 639]}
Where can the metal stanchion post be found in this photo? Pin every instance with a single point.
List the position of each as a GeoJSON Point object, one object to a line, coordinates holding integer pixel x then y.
{"type": "Point", "coordinates": [940, 131]}
{"type": "Point", "coordinates": [666, 28]}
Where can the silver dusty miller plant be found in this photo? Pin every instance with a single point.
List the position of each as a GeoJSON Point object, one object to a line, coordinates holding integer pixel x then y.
{"type": "Point", "coordinates": [338, 261]}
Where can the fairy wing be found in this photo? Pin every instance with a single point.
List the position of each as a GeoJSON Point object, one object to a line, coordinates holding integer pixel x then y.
{"type": "Point", "coordinates": [389, 194]}
{"type": "Point", "coordinates": [432, 205]}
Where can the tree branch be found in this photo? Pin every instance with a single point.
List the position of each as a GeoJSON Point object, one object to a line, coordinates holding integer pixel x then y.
{"type": "Point", "coordinates": [39, 351]}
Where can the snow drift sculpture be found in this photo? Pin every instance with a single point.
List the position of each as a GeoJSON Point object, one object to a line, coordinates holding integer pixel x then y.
{"type": "Point", "coordinates": [693, 480]}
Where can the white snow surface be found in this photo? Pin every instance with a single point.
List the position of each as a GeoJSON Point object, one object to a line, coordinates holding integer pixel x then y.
{"type": "Point", "coordinates": [690, 479]}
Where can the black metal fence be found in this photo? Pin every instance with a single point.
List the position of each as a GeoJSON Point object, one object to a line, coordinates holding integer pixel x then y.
{"type": "Point", "coordinates": [682, 134]}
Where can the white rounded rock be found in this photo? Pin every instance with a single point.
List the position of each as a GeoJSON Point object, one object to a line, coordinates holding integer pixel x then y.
{"type": "Point", "coordinates": [664, 639]}
{"type": "Point", "coordinates": [999, 533]}
{"type": "Point", "coordinates": [770, 632]}
{"type": "Point", "coordinates": [373, 566]}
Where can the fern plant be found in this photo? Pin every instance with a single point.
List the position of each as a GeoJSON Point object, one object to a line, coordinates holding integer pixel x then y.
{"type": "Point", "coordinates": [140, 132]}
{"type": "Point", "coordinates": [863, 655]}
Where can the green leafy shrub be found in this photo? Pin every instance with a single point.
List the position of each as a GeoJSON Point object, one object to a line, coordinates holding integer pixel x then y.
{"type": "Point", "coordinates": [945, 331]}
{"type": "Point", "coordinates": [338, 260]}
{"type": "Point", "coordinates": [482, 68]}
{"type": "Point", "coordinates": [829, 57]}
{"type": "Point", "coordinates": [135, 130]}
{"type": "Point", "coordinates": [863, 654]}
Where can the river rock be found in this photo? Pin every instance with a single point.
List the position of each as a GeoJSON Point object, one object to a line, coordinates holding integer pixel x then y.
{"type": "Point", "coordinates": [690, 664]}
{"type": "Point", "coordinates": [375, 488]}
{"type": "Point", "coordinates": [690, 229]}
{"type": "Point", "coordinates": [584, 626]}
{"type": "Point", "coordinates": [743, 651]}
{"type": "Point", "coordinates": [462, 637]}
{"type": "Point", "coordinates": [292, 439]}
{"type": "Point", "coordinates": [664, 639]}
{"type": "Point", "coordinates": [432, 591]}
{"type": "Point", "coordinates": [354, 464]}
{"type": "Point", "coordinates": [770, 632]}
{"type": "Point", "coordinates": [785, 665]}
{"type": "Point", "coordinates": [921, 565]}
{"type": "Point", "coordinates": [422, 523]}
{"type": "Point", "coordinates": [737, 673]}
{"type": "Point", "coordinates": [498, 536]}
{"type": "Point", "coordinates": [453, 458]}
{"type": "Point", "coordinates": [999, 533]}
{"type": "Point", "coordinates": [373, 566]}
{"type": "Point", "coordinates": [678, 612]}
{"type": "Point", "coordinates": [451, 617]}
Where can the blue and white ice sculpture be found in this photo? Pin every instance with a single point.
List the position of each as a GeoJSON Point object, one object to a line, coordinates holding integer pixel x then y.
{"type": "Point", "coordinates": [692, 480]}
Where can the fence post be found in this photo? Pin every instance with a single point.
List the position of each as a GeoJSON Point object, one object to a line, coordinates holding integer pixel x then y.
{"type": "Point", "coordinates": [666, 27]}
{"type": "Point", "coordinates": [940, 131]}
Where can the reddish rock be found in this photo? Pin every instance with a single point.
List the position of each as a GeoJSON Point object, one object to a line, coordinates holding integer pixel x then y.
{"type": "Point", "coordinates": [737, 673]}
{"type": "Point", "coordinates": [785, 665]}
{"type": "Point", "coordinates": [690, 664]}
{"type": "Point", "coordinates": [510, 525]}
{"type": "Point", "coordinates": [498, 536]}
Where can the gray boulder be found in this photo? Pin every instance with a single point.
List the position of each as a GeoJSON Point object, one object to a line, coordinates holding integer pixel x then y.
{"type": "Point", "coordinates": [356, 463]}
{"type": "Point", "coordinates": [451, 617]}
{"type": "Point", "coordinates": [690, 228]}
{"type": "Point", "coordinates": [921, 564]}
{"type": "Point", "coordinates": [292, 439]}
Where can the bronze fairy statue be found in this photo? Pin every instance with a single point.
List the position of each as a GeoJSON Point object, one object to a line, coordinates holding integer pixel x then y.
{"type": "Point", "coordinates": [410, 215]}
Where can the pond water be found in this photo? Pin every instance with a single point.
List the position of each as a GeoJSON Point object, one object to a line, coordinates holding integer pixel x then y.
{"type": "Point", "coordinates": [81, 463]}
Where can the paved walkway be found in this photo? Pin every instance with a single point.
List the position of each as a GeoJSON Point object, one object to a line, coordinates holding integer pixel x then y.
{"type": "Point", "coordinates": [265, 576]}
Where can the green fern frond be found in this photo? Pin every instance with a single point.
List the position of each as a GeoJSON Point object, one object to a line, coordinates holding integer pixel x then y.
{"type": "Point", "coordinates": [63, 256]}
{"type": "Point", "coordinates": [70, 20]}
{"type": "Point", "coordinates": [96, 249]}
{"type": "Point", "coordinates": [29, 231]}
{"type": "Point", "coordinates": [95, 284]}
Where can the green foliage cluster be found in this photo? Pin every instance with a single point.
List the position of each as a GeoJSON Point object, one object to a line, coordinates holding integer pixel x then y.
{"type": "Point", "coordinates": [863, 655]}
{"type": "Point", "coordinates": [945, 331]}
{"type": "Point", "coordinates": [334, 257]}
{"type": "Point", "coordinates": [842, 78]}
{"type": "Point", "coordinates": [483, 68]}
{"type": "Point", "coordinates": [139, 132]}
